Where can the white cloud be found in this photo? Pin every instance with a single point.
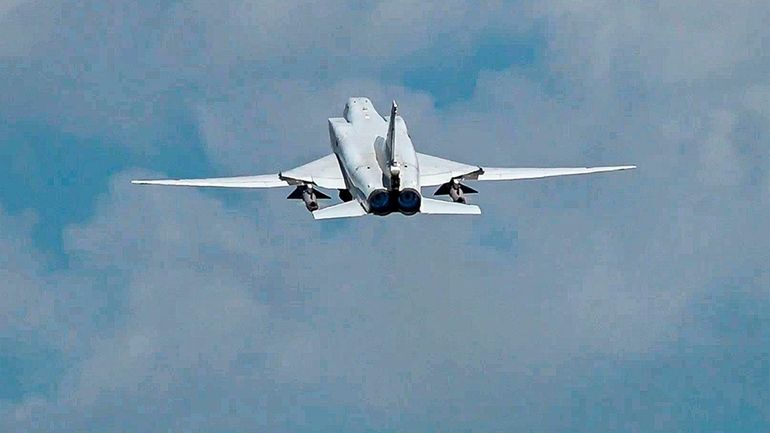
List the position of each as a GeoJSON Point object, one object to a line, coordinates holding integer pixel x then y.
{"type": "Point", "coordinates": [720, 162]}
{"type": "Point", "coordinates": [7, 6]}
{"type": "Point", "coordinates": [209, 292]}
{"type": "Point", "coordinates": [179, 308]}
{"type": "Point", "coordinates": [132, 69]}
{"type": "Point", "coordinates": [757, 98]}
{"type": "Point", "coordinates": [660, 41]}
{"type": "Point", "coordinates": [26, 308]}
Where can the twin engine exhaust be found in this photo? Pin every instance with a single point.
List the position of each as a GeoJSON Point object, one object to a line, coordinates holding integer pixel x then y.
{"type": "Point", "coordinates": [407, 201]}
{"type": "Point", "coordinates": [382, 201]}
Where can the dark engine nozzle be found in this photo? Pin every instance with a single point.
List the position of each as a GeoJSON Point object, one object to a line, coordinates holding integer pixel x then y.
{"type": "Point", "coordinates": [409, 201]}
{"type": "Point", "coordinates": [379, 202]}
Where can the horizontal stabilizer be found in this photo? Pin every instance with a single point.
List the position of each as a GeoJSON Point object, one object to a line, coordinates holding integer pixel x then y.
{"type": "Point", "coordinates": [348, 209]}
{"type": "Point", "coordinates": [538, 173]}
{"type": "Point", "coordinates": [440, 207]}
{"type": "Point", "coordinates": [261, 181]}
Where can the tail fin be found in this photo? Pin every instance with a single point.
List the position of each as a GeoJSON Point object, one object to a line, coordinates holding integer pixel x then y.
{"type": "Point", "coordinates": [390, 141]}
{"type": "Point", "coordinates": [390, 147]}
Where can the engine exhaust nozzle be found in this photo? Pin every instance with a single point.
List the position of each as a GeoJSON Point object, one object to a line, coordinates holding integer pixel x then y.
{"type": "Point", "coordinates": [409, 201]}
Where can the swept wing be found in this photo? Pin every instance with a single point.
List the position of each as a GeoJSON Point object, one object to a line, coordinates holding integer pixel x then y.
{"type": "Point", "coordinates": [324, 172]}
{"type": "Point", "coordinates": [261, 181]}
{"type": "Point", "coordinates": [438, 171]}
{"type": "Point", "coordinates": [495, 173]}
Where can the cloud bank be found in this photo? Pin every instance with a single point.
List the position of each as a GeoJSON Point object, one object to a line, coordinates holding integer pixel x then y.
{"type": "Point", "coordinates": [633, 302]}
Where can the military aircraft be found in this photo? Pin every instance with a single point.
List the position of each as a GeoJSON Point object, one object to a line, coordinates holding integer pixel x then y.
{"type": "Point", "coordinates": [377, 171]}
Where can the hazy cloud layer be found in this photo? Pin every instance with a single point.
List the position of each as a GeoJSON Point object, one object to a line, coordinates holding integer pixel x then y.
{"type": "Point", "coordinates": [571, 305]}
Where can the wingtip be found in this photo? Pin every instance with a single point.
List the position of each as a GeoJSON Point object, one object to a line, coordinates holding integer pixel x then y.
{"type": "Point", "coordinates": [615, 167]}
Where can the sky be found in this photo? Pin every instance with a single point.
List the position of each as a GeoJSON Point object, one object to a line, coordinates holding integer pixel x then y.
{"type": "Point", "coordinates": [635, 302]}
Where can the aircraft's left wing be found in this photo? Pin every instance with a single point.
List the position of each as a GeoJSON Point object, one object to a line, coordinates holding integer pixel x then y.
{"type": "Point", "coordinates": [261, 181]}
{"type": "Point", "coordinates": [324, 172]}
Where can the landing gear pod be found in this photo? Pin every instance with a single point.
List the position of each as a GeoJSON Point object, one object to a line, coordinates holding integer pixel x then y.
{"type": "Point", "coordinates": [309, 195]}
{"type": "Point", "coordinates": [456, 194]}
{"type": "Point", "coordinates": [455, 190]}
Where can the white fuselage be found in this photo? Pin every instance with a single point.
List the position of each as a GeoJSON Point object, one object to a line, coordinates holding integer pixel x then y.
{"type": "Point", "coordinates": [381, 181]}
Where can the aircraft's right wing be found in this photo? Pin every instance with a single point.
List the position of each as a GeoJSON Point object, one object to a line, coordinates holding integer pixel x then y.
{"type": "Point", "coordinates": [492, 173]}
{"type": "Point", "coordinates": [438, 171]}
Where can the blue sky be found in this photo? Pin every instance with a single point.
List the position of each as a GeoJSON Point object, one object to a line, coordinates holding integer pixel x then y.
{"type": "Point", "coordinates": [634, 302]}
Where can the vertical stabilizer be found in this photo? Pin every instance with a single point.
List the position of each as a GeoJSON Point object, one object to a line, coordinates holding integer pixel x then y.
{"type": "Point", "coordinates": [390, 141]}
{"type": "Point", "coordinates": [390, 146]}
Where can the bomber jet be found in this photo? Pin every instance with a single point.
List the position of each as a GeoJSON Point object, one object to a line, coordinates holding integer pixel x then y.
{"type": "Point", "coordinates": [377, 171]}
